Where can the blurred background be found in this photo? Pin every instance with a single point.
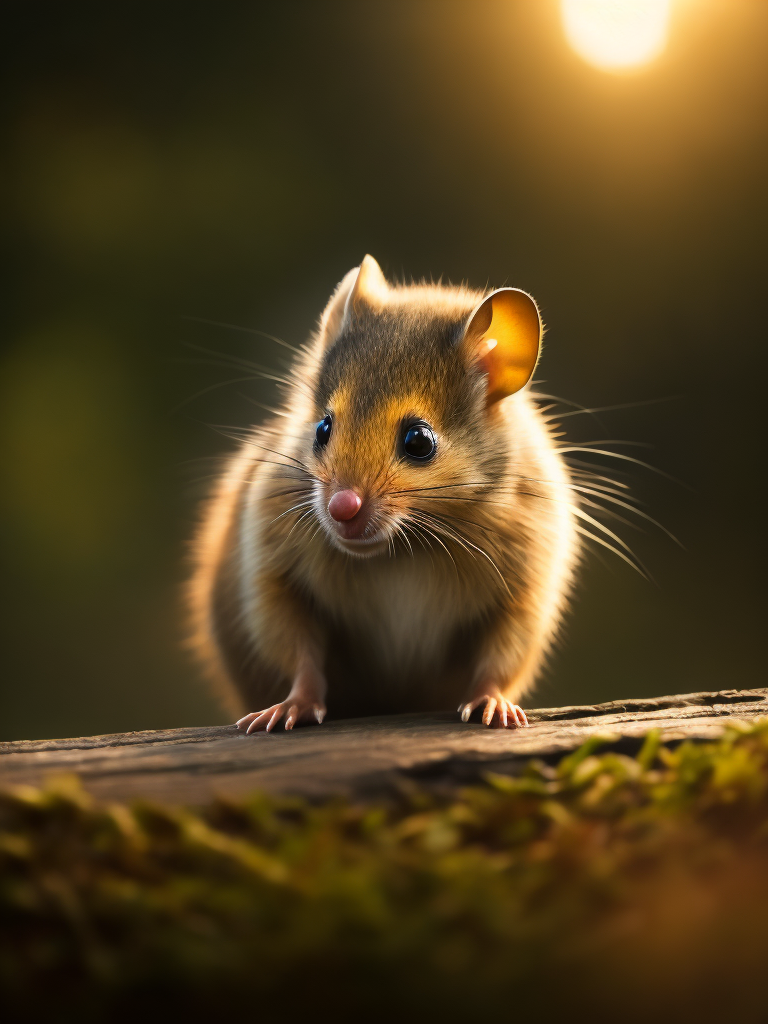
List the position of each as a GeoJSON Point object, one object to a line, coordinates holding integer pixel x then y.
{"type": "Point", "coordinates": [231, 162]}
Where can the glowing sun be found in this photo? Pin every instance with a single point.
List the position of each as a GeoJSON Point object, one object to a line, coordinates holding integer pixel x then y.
{"type": "Point", "coordinates": [615, 35]}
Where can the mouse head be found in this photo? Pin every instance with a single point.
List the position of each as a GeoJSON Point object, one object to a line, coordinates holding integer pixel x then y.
{"type": "Point", "coordinates": [408, 397]}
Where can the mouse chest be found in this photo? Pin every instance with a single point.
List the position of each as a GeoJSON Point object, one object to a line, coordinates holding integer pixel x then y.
{"type": "Point", "coordinates": [405, 619]}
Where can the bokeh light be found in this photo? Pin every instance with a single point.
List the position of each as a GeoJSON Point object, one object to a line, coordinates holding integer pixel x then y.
{"type": "Point", "coordinates": [616, 35]}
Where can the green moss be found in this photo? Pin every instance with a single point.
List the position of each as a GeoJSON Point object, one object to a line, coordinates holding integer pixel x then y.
{"type": "Point", "coordinates": [617, 881]}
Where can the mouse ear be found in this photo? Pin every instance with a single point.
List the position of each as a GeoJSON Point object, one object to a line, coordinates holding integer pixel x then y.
{"type": "Point", "coordinates": [332, 318]}
{"type": "Point", "coordinates": [503, 336]}
{"type": "Point", "coordinates": [364, 286]}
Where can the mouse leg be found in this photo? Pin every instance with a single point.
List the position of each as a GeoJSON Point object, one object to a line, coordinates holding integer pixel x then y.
{"type": "Point", "coordinates": [509, 657]}
{"type": "Point", "coordinates": [281, 625]}
{"type": "Point", "coordinates": [305, 702]}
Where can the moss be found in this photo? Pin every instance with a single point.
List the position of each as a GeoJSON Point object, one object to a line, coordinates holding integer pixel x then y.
{"type": "Point", "coordinates": [606, 881]}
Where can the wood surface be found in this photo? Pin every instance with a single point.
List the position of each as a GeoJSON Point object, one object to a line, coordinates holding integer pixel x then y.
{"type": "Point", "coordinates": [358, 757]}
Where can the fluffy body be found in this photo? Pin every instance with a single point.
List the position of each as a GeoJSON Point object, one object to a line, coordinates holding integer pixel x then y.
{"type": "Point", "coordinates": [454, 593]}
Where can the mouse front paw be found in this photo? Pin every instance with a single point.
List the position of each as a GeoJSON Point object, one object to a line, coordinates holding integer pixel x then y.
{"type": "Point", "coordinates": [291, 711]}
{"type": "Point", "coordinates": [498, 711]}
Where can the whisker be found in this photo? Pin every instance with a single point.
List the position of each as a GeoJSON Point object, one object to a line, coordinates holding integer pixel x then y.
{"type": "Point", "coordinates": [407, 525]}
{"type": "Point", "coordinates": [255, 370]}
{"type": "Point", "coordinates": [564, 401]}
{"type": "Point", "coordinates": [599, 540]}
{"type": "Point", "coordinates": [623, 405]}
{"type": "Point", "coordinates": [488, 501]}
{"type": "Point", "coordinates": [260, 405]}
{"type": "Point", "coordinates": [464, 542]}
{"type": "Point", "coordinates": [298, 522]}
{"type": "Point", "coordinates": [609, 533]}
{"type": "Point", "coordinates": [438, 487]}
{"type": "Point", "coordinates": [581, 466]}
{"type": "Point", "coordinates": [631, 508]}
{"type": "Point", "coordinates": [596, 490]}
{"type": "Point", "coordinates": [226, 383]}
{"type": "Point", "coordinates": [448, 516]}
{"type": "Point", "coordinates": [242, 330]}
{"type": "Point", "coordinates": [431, 533]}
{"type": "Point", "coordinates": [634, 444]}
{"type": "Point", "coordinates": [620, 488]}
{"type": "Point", "coordinates": [297, 462]}
{"type": "Point", "coordinates": [625, 458]}
{"type": "Point", "coordinates": [484, 528]}
{"type": "Point", "coordinates": [227, 359]}
{"type": "Point", "coordinates": [400, 532]}
{"type": "Point", "coordinates": [579, 513]}
{"type": "Point", "coordinates": [280, 465]}
{"type": "Point", "coordinates": [295, 508]}
{"type": "Point", "coordinates": [292, 493]}
{"type": "Point", "coordinates": [611, 514]}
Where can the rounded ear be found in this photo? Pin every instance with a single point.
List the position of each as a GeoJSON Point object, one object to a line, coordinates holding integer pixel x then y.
{"type": "Point", "coordinates": [503, 337]}
{"type": "Point", "coordinates": [360, 287]}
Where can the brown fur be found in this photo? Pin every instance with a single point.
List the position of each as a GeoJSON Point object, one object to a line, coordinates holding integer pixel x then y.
{"type": "Point", "coordinates": [473, 580]}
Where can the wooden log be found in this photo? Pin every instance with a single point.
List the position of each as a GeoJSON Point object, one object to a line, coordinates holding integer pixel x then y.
{"type": "Point", "coordinates": [358, 757]}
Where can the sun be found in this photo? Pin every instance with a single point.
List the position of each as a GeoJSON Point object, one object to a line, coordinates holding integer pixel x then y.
{"type": "Point", "coordinates": [616, 35]}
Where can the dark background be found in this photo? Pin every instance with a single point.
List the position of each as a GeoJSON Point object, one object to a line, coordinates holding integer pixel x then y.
{"type": "Point", "coordinates": [232, 161]}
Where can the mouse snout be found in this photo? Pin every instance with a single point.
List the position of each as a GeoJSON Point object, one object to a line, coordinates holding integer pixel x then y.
{"type": "Point", "coordinates": [351, 514]}
{"type": "Point", "coordinates": [344, 505]}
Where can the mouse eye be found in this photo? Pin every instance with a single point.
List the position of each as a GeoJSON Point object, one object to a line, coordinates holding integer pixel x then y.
{"type": "Point", "coordinates": [323, 432]}
{"type": "Point", "coordinates": [419, 442]}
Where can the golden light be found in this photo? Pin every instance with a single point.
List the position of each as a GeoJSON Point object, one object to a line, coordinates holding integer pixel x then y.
{"type": "Point", "coordinates": [616, 35]}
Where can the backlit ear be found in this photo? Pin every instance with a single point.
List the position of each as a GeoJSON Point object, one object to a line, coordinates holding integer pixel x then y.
{"type": "Point", "coordinates": [362, 286]}
{"type": "Point", "coordinates": [332, 319]}
{"type": "Point", "coordinates": [503, 336]}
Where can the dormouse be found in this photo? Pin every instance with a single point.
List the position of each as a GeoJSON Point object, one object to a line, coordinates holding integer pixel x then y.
{"type": "Point", "coordinates": [401, 535]}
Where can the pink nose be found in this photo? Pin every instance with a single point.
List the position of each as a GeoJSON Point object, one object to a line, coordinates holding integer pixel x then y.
{"type": "Point", "coordinates": [344, 505]}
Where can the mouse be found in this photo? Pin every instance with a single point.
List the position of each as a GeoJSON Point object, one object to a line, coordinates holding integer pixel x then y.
{"type": "Point", "coordinates": [400, 536]}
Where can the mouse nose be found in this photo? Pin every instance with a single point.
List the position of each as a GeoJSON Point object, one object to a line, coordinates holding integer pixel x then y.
{"type": "Point", "coordinates": [344, 505]}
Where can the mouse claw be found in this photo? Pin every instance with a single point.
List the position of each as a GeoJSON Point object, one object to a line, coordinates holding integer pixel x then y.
{"type": "Point", "coordinates": [490, 708]}
{"type": "Point", "coordinates": [498, 711]}
{"type": "Point", "coordinates": [292, 710]}
{"type": "Point", "coordinates": [521, 719]}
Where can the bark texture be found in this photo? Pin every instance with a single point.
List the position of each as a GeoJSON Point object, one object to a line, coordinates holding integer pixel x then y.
{"type": "Point", "coordinates": [359, 757]}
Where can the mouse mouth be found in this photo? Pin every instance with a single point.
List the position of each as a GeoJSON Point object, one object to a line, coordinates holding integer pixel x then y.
{"type": "Point", "coordinates": [363, 547]}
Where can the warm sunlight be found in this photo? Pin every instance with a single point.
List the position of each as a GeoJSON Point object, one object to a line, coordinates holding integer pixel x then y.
{"type": "Point", "coordinates": [615, 35]}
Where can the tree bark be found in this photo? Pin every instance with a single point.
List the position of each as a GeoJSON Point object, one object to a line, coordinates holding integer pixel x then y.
{"type": "Point", "coordinates": [361, 757]}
